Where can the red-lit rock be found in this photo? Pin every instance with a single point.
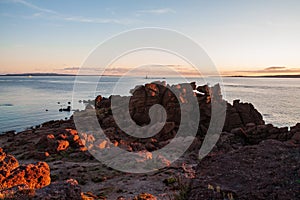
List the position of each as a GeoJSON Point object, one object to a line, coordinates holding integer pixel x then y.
{"type": "Point", "coordinates": [33, 175]}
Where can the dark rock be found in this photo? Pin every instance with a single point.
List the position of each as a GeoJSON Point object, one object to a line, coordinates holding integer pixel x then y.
{"type": "Point", "coordinates": [240, 115]}
{"type": "Point", "coordinates": [296, 138]}
{"type": "Point", "coordinates": [264, 171]}
{"type": "Point", "coordinates": [47, 143]}
{"type": "Point", "coordinates": [18, 192]}
{"type": "Point", "coordinates": [66, 190]}
{"type": "Point", "coordinates": [204, 89]}
{"type": "Point", "coordinates": [67, 109]}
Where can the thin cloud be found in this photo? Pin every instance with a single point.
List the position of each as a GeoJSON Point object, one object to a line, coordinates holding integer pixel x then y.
{"type": "Point", "coordinates": [150, 70]}
{"type": "Point", "coordinates": [34, 7]}
{"type": "Point", "coordinates": [95, 70]}
{"type": "Point", "coordinates": [157, 11]}
{"type": "Point", "coordinates": [267, 71]}
{"type": "Point", "coordinates": [80, 68]}
{"type": "Point", "coordinates": [99, 20]}
{"type": "Point", "coordinates": [53, 15]}
{"type": "Point", "coordinates": [274, 68]}
{"type": "Point", "coordinates": [70, 68]}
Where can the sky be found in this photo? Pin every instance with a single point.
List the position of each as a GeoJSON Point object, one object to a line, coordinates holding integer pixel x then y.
{"type": "Point", "coordinates": [241, 37]}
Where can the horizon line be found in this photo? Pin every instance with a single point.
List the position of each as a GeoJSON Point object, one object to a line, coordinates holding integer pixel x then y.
{"type": "Point", "coordinates": [149, 77]}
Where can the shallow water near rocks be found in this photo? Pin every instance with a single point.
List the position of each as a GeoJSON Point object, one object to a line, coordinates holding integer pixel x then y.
{"type": "Point", "coordinates": [26, 102]}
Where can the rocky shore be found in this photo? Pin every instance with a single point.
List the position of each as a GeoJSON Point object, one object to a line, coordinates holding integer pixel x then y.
{"type": "Point", "coordinates": [251, 160]}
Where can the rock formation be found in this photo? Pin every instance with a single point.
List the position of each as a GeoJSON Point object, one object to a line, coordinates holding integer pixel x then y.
{"type": "Point", "coordinates": [143, 97]}
{"type": "Point", "coordinates": [32, 175]}
{"type": "Point", "coordinates": [251, 160]}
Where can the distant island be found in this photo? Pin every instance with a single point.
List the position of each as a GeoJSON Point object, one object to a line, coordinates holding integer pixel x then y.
{"type": "Point", "coordinates": [47, 74]}
{"type": "Point", "coordinates": [270, 76]}
{"type": "Point", "coordinates": [38, 74]}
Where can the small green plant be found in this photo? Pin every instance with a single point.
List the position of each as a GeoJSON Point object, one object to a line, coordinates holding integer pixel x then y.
{"type": "Point", "coordinates": [82, 181]}
{"type": "Point", "coordinates": [170, 181]}
{"type": "Point", "coordinates": [184, 189]}
{"type": "Point", "coordinates": [183, 193]}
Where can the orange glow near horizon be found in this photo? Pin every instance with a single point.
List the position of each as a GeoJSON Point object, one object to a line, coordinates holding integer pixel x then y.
{"type": "Point", "coordinates": [163, 70]}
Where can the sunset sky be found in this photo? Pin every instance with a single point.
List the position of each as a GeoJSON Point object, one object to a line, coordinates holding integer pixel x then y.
{"type": "Point", "coordinates": [241, 37]}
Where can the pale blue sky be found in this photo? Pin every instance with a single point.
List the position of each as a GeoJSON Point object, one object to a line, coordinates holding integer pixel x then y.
{"type": "Point", "coordinates": [50, 35]}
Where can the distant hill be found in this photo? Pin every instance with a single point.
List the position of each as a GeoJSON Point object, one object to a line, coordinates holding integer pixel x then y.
{"type": "Point", "coordinates": [51, 74]}
{"type": "Point", "coordinates": [271, 76]}
{"type": "Point", "coordinates": [38, 74]}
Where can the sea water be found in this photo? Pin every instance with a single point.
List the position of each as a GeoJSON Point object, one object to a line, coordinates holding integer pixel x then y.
{"type": "Point", "coordinates": [29, 101]}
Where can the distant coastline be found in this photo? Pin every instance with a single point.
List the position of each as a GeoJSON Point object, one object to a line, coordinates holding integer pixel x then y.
{"type": "Point", "coordinates": [47, 74]}
{"type": "Point", "coordinates": [57, 74]}
{"type": "Point", "coordinates": [269, 76]}
{"type": "Point", "coordinates": [37, 74]}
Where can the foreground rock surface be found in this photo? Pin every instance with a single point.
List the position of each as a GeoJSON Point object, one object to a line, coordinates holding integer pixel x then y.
{"type": "Point", "coordinates": [63, 190]}
{"type": "Point", "coordinates": [251, 160]}
{"type": "Point", "coordinates": [269, 170]}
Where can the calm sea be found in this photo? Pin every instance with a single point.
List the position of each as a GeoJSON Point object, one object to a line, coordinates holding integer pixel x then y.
{"type": "Point", "coordinates": [29, 101]}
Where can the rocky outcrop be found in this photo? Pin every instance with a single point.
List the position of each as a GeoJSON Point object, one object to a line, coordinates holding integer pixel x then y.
{"type": "Point", "coordinates": [240, 114]}
{"type": "Point", "coordinates": [32, 175]}
{"type": "Point", "coordinates": [58, 144]}
{"type": "Point", "coordinates": [15, 178]}
{"type": "Point", "coordinates": [143, 97]}
{"type": "Point", "coordinates": [61, 141]}
{"type": "Point", "coordinates": [246, 140]}
{"type": "Point", "coordinates": [32, 181]}
{"type": "Point", "coordinates": [253, 134]}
